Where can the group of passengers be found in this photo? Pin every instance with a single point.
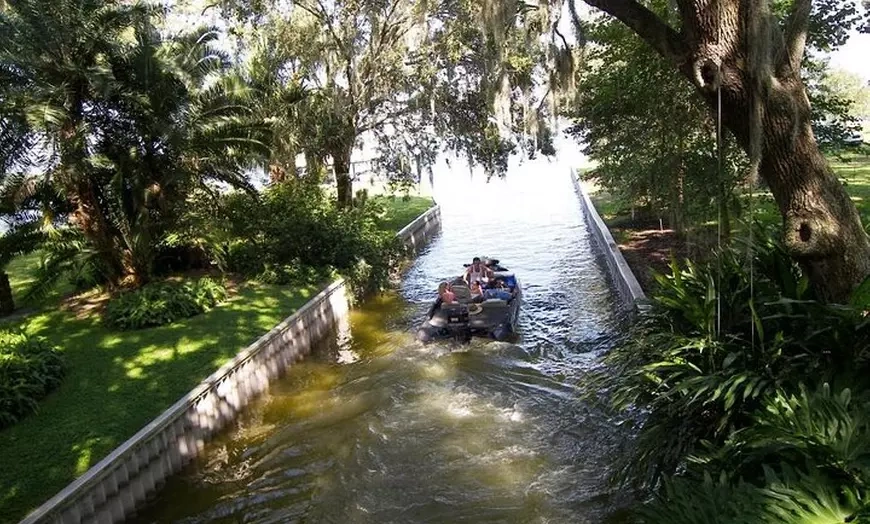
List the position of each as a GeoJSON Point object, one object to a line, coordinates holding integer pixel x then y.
{"type": "Point", "coordinates": [481, 284]}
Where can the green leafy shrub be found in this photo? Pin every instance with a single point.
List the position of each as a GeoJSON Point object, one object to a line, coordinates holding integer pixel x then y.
{"type": "Point", "coordinates": [163, 302]}
{"type": "Point", "coordinates": [293, 232]}
{"type": "Point", "coordinates": [714, 377]}
{"type": "Point", "coordinates": [29, 369]}
{"type": "Point", "coordinates": [294, 273]}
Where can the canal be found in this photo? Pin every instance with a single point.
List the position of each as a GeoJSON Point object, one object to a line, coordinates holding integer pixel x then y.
{"type": "Point", "coordinates": [375, 427]}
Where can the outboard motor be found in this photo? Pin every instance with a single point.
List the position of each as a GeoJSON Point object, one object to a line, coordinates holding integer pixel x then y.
{"type": "Point", "coordinates": [456, 314]}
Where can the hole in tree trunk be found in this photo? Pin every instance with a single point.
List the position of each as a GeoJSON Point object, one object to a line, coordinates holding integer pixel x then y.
{"type": "Point", "coordinates": [805, 232]}
{"type": "Point", "coordinates": [708, 73]}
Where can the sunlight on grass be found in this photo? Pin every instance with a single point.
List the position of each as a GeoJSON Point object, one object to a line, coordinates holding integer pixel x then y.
{"type": "Point", "coordinates": [401, 212]}
{"type": "Point", "coordinates": [117, 382]}
{"type": "Point", "coordinates": [85, 451]}
{"type": "Point", "coordinates": [22, 273]}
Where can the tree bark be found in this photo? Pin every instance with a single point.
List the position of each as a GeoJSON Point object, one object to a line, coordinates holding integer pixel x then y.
{"type": "Point", "coordinates": [821, 226]}
{"type": "Point", "coordinates": [7, 304]}
{"type": "Point", "coordinates": [88, 214]}
{"type": "Point", "coordinates": [89, 218]}
{"type": "Point", "coordinates": [343, 181]}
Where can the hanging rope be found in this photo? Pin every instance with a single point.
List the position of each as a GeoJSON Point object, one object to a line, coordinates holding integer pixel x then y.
{"type": "Point", "coordinates": [721, 197]}
{"type": "Point", "coordinates": [719, 171]}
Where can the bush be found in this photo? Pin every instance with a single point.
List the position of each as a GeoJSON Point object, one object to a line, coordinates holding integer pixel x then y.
{"type": "Point", "coordinates": [163, 302]}
{"type": "Point", "coordinates": [29, 369]}
{"type": "Point", "coordinates": [294, 273]}
{"type": "Point", "coordinates": [726, 398]}
{"type": "Point", "coordinates": [278, 236]}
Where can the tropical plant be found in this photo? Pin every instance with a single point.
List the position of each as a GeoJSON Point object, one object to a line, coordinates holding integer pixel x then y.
{"type": "Point", "coordinates": [162, 303]}
{"type": "Point", "coordinates": [718, 341]}
{"type": "Point", "coordinates": [29, 369]}
{"type": "Point", "coordinates": [17, 240]}
{"type": "Point", "coordinates": [28, 208]}
{"type": "Point", "coordinates": [48, 90]}
{"type": "Point", "coordinates": [130, 121]}
{"type": "Point", "coordinates": [803, 458]}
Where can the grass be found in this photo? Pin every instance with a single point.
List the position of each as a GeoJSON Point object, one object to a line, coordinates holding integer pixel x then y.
{"type": "Point", "coordinates": [400, 211]}
{"type": "Point", "coordinates": [22, 273]}
{"type": "Point", "coordinates": [117, 382]}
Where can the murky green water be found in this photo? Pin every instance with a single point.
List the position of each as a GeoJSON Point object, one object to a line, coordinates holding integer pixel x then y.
{"type": "Point", "coordinates": [376, 427]}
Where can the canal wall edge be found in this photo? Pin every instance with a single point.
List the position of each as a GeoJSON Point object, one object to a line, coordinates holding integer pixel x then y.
{"type": "Point", "coordinates": [623, 277]}
{"type": "Point", "coordinates": [113, 488]}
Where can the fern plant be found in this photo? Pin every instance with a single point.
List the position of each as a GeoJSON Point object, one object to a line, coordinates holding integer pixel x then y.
{"type": "Point", "coordinates": [30, 368]}
{"type": "Point", "coordinates": [162, 303]}
{"type": "Point", "coordinates": [786, 495]}
{"type": "Point", "coordinates": [716, 344]}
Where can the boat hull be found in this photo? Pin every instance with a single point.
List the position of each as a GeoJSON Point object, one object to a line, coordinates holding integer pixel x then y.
{"type": "Point", "coordinates": [494, 319]}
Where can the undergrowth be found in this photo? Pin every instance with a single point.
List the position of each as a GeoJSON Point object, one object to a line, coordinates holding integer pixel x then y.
{"type": "Point", "coordinates": [30, 368]}
{"type": "Point", "coordinates": [163, 303]}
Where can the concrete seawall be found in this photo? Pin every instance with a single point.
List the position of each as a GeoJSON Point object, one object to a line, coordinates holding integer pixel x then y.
{"type": "Point", "coordinates": [419, 232]}
{"type": "Point", "coordinates": [626, 283]}
{"type": "Point", "coordinates": [113, 488]}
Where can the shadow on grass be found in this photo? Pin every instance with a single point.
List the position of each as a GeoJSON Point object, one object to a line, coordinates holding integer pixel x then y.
{"type": "Point", "coordinates": [119, 381]}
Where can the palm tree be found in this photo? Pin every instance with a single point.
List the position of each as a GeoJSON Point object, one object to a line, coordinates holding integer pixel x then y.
{"type": "Point", "coordinates": [56, 60]}
{"type": "Point", "coordinates": [277, 92]}
{"type": "Point", "coordinates": [179, 118]}
{"type": "Point", "coordinates": [27, 205]}
{"type": "Point", "coordinates": [128, 119]}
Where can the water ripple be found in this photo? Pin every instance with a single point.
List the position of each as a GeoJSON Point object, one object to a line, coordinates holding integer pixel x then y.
{"type": "Point", "coordinates": [485, 432]}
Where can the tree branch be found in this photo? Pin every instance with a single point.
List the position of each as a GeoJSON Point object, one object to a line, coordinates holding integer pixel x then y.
{"type": "Point", "coordinates": [322, 15]}
{"type": "Point", "coordinates": [652, 29]}
{"type": "Point", "coordinates": [796, 29]}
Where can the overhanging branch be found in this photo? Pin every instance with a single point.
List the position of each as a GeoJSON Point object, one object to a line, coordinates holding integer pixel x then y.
{"type": "Point", "coordinates": [796, 33]}
{"type": "Point", "coordinates": [652, 29]}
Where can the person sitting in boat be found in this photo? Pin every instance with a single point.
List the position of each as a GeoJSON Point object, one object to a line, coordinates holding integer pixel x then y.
{"type": "Point", "coordinates": [477, 272]}
{"type": "Point", "coordinates": [476, 291]}
{"type": "Point", "coordinates": [499, 291]}
{"type": "Point", "coordinates": [446, 294]}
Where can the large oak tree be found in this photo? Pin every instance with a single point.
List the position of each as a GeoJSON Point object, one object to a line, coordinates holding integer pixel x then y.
{"type": "Point", "coordinates": [740, 47]}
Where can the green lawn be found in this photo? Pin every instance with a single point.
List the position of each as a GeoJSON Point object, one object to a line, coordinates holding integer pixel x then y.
{"type": "Point", "coordinates": [400, 211]}
{"type": "Point", "coordinates": [852, 168]}
{"type": "Point", "coordinates": [119, 381]}
{"type": "Point", "coordinates": [22, 273]}
{"type": "Point", "coordinates": [855, 172]}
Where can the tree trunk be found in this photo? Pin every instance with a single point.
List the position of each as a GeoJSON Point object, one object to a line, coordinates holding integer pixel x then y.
{"type": "Point", "coordinates": [726, 44]}
{"type": "Point", "coordinates": [7, 304]}
{"type": "Point", "coordinates": [343, 182]}
{"type": "Point", "coordinates": [821, 226]}
{"type": "Point", "coordinates": [88, 217]}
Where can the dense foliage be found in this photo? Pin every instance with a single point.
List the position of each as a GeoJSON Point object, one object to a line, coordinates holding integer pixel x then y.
{"type": "Point", "coordinates": [292, 232]}
{"type": "Point", "coordinates": [408, 76]}
{"type": "Point", "coordinates": [652, 135]}
{"type": "Point", "coordinates": [120, 119]}
{"type": "Point", "coordinates": [30, 368]}
{"type": "Point", "coordinates": [162, 303]}
{"type": "Point", "coordinates": [747, 387]}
